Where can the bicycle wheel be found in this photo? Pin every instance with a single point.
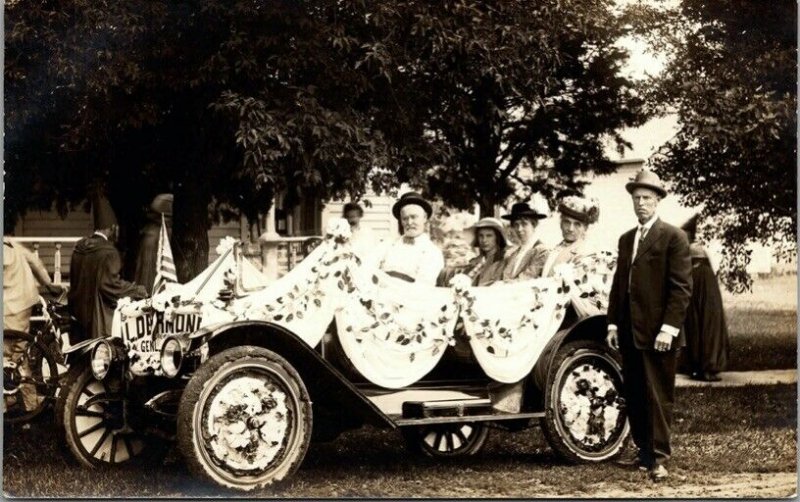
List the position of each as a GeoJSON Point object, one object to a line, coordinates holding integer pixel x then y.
{"type": "Point", "coordinates": [30, 375]}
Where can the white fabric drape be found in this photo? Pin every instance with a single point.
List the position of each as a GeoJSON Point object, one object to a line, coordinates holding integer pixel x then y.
{"type": "Point", "coordinates": [394, 332]}
{"type": "Point", "coordinates": [303, 301]}
{"type": "Point", "coordinates": [508, 325]}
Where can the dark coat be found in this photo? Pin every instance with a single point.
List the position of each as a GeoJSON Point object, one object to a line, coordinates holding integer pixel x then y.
{"type": "Point", "coordinates": [145, 273]}
{"type": "Point", "coordinates": [660, 284]}
{"type": "Point", "coordinates": [705, 327]}
{"type": "Point", "coordinates": [95, 285]}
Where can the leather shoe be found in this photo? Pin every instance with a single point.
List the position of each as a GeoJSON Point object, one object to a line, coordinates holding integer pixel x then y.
{"type": "Point", "coordinates": [631, 462]}
{"type": "Point", "coordinates": [659, 473]}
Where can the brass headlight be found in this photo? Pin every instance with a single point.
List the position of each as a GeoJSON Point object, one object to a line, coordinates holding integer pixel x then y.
{"type": "Point", "coordinates": [171, 357]}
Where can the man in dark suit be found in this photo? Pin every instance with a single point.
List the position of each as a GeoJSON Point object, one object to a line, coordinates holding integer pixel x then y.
{"type": "Point", "coordinates": [649, 296]}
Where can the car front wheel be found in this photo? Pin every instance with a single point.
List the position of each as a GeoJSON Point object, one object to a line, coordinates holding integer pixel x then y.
{"type": "Point", "coordinates": [245, 419]}
{"type": "Point", "coordinates": [91, 417]}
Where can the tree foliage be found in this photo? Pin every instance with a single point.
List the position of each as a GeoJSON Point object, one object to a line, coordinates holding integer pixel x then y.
{"type": "Point", "coordinates": [731, 80]}
{"type": "Point", "coordinates": [227, 103]}
{"type": "Point", "coordinates": [516, 96]}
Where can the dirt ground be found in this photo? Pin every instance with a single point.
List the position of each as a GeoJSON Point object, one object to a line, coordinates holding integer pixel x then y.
{"type": "Point", "coordinates": [745, 485]}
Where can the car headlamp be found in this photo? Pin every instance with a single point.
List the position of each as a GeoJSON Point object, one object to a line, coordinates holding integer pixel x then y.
{"type": "Point", "coordinates": [171, 357]}
{"type": "Point", "coordinates": [102, 356]}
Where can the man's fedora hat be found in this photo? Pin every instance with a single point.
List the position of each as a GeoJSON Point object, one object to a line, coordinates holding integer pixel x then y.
{"type": "Point", "coordinates": [411, 198]}
{"type": "Point", "coordinates": [647, 179]}
{"type": "Point", "coordinates": [523, 210]}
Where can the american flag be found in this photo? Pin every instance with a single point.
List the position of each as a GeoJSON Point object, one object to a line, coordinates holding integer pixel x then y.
{"type": "Point", "coordinates": [165, 265]}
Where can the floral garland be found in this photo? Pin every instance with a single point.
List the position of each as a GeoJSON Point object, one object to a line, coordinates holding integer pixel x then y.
{"type": "Point", "coordinates": [386, 326]}
{"type": "Point", "coordinates": [592, 276]}
{"type": "Point", "coordinates": [496, 334]}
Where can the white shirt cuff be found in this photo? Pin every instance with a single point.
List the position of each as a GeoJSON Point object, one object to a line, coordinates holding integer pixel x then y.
{"type": "Point", "coordinates": [612, 327]}
{"type": "Point", "coordinates": [666, 328]}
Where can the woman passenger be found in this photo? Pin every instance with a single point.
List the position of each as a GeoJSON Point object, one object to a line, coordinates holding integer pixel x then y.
{"type": "Point", "coordinates": [577, 213]}
{"type": "Point", "coordinates": [490, 239]}
{"type": "Point", "coordinates": [525, 261]}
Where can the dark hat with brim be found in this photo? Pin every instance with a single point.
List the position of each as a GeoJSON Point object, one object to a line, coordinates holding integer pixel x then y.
{"type": "Point", "coordinates": [647, 179]}
{"type": "Point", "coordinates": [411, 198]}
{"type": "Point", "coordinates": [523, 210]}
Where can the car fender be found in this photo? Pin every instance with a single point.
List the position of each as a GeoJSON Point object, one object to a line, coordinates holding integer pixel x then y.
{"type": "Point", "coordinates": [588, 328]}
{"type": "Point", "coordinates": [329, 389]}
{"type": "Point", "coordinates": [80, 350]}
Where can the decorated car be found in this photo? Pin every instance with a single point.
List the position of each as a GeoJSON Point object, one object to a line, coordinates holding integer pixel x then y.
{"type": "Point", "coordinates": [244, 373]}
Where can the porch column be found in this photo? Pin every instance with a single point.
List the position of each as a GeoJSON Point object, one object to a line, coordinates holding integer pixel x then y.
{"type": "Point", "coordinates": [270, 240]}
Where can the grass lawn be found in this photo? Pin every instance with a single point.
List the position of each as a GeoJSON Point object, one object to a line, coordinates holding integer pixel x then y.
{"type": "Point", "coordinates": [762, 325]}
{"type": "Point", "coordinates": [762, 339]}
{"type": "Point", "coordinates": [719, 432]}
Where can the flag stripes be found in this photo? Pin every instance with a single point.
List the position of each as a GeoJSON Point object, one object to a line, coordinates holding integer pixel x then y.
{"type": "Point", "coordinates": [165, 264]}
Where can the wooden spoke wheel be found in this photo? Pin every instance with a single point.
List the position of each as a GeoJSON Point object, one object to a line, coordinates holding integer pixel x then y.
{"type": "Point", "coordinates": [446, 440]}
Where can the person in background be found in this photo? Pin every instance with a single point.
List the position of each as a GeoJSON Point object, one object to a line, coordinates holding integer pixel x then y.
{"type": "Point", "coordinates": [361, 239]}
{"type": "Point", "coordinates": [145, 273]}
{"type": "Point", "coordinates": [413, 257]}
{"type": "Point", "coordinates": [21, 270]}
{"type": "Point", "coordinates": [647, 306]}
{"type": "Point", "coordinates": [526, 260]}
{"type": "Point", "coordinates": [705, 326]}
{"type": "Point", "coordinates": [94, 275]}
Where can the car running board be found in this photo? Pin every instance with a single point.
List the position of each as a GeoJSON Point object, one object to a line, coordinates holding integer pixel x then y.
{"type": "Point", "coordinates": [455, 411]}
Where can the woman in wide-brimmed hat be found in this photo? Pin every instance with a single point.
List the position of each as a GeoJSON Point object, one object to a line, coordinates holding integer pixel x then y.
{"type": "Point", "coordinates": [490, 239]}
{"type": "Point", "coordinates": [577, 213]}
{"type": "Point", "coordinates": [526, 260]}
{"type": "Point", "coordinates": [486, 268]}
{"type": "Point", "coordinates": [413, 257]}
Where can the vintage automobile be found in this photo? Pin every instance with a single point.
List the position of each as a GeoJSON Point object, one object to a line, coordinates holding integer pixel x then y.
{"type": "Point", "coordinates": [244, 374]}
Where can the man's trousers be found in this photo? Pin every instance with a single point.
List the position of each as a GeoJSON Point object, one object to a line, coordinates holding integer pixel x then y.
{"type": "Point", "coordinates": [649, 394]}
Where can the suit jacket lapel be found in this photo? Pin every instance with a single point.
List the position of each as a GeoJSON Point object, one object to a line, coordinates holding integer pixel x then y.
{"type": "Point", "coordinates": [651, 238]}
{"type": "Point", "coordinates": [627, 249]}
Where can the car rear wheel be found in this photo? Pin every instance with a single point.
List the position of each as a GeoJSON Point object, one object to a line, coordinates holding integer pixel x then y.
{"type": "Point", "coordinates": [446, 440]}
{"type": "Point", "coordinates": [245, 419]}
{"type": "Point", "coordinates": [585, 418]}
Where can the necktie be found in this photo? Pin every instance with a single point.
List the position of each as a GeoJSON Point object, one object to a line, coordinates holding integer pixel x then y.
{"type": "Point", "coordinates": [642, 234]}
{"type": "Point", "coordinates": [408, 240]}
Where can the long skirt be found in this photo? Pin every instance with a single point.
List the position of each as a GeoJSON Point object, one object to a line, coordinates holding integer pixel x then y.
{"type": "Point", "coordinates": [705, 326]}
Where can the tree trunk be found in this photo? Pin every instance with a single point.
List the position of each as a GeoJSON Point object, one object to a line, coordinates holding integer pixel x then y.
{"type": "Point", "coordinates": [190, 227]}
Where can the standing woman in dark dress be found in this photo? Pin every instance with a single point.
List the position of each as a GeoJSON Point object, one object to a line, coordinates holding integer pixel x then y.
{"type": "Point", "coordinates": [705, 326]}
